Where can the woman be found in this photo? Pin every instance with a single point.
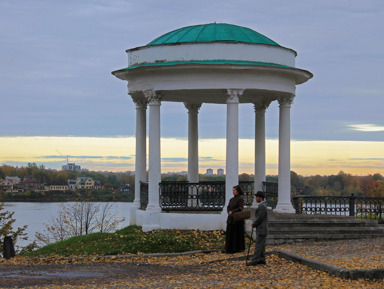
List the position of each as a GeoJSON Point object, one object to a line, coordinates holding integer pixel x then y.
{"type": "Point", "coordinates": [234, 241]}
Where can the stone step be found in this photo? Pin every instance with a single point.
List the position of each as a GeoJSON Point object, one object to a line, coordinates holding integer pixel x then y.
{"type": "Point", "coordinates": [319, 219]}
{"type": "Point", "coordinates": [289, 228]}
{"type": "Point", "coordinates": [290, 224]}
{"type": "Point", "coordinates": [281, 239]}
{"type": "Point", "coordinates": [332, 230]}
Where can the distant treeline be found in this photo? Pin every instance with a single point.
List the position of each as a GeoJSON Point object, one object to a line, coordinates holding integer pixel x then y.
{"type": "Point", "coordinates": [58, 177]}
{"type": "Point", "coordinates": [338, 185]}
{"type": "Point", "coordinates": [341, 184]}
{"type": "Point", "coordinates": [103, 195]}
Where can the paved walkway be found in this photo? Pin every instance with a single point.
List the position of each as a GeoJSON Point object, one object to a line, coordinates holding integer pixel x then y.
{"type": "Point", "coordinates": [198, 270]}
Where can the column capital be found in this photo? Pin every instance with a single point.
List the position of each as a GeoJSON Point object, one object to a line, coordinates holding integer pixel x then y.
{"type": "Point", "coordinates": [152, 97]}
{"type": "Point", "coordinates": [233, 95]}
{"type": "Point", "coordinates": [286, 101]}
{"type": "Point", "coordinates": [140, 102]}
{"type": "Point", "coordinates": [262, 105]}
{"type": "Point", "coordinates": [194, 107]}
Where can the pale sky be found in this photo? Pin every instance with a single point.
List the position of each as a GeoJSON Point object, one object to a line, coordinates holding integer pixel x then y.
{"type": "Point", "coordinates": [57, 92]}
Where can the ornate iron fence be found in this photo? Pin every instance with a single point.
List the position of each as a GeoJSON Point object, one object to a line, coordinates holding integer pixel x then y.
{"type": "Point", "coordinates": [185, 196]}
{"type": "Point", "coordinates": [369, 207]}
{"type": "Point", "coordinates": [361, 207]}
{"type": "Point", "coordinates": [202, 196]}
{"type": "Point", "coordinates": [248, 189]}
{"type": "Point", "coordinates": [143, 195]}
{"type": "Point", "coordinates": [271, 193]}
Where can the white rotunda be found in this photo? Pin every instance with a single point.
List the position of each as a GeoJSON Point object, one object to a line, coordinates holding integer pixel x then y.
{"type": "Point", "coordinates": [215, 63]}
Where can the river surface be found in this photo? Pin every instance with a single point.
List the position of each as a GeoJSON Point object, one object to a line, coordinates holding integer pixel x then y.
{"type": "Point", "coordinates": [35, 215]}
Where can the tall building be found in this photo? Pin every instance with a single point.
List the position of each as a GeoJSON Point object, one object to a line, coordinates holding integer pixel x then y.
{"type": "Point", "coordinates": [71, 167]}
{"type": "Point", "coordinates": [220, 172]}
{"type": "Point", "coordinates": [209, 172]}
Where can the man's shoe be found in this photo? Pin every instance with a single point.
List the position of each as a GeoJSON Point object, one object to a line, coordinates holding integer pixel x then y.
{"type": "Point", "coordinates": [255, 263]}
{"type": "Point", "coordinates": [252, 263]}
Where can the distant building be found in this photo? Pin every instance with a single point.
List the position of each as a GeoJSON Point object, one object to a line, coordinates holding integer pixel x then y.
{"type": "Point", "coordinates": [85, 183]}
{"type": "Point", "coordinates": [126, 188]}
{"type": "Point", "coordinates": [10, 184]}
{"type": "Point", "coordinates": [72, 184]}
{"type": "Point", "coordinates": [11, 180]}
{"type": "Point", "coordinates": [97, 184]}
{"type": "Point", "coordinates": [71, 167]}
{"type": "Point", "coordinates": [56, 187]}
{"type": "Point", "coordinates": [30, 183]}
{"type": "Point", "coordinates": [209, 172]}
{"type": "Point", "coordinates": [220, 172]}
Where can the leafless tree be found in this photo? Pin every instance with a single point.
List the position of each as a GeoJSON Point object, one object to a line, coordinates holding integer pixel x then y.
{"type": "Point", "coordinates": [107, 220]}
{"type": "Point", "coordinates": [79, 218]}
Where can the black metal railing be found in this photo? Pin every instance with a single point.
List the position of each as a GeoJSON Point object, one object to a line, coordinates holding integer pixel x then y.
{"type": "Point", "coordinates": [271, 193]}
{"type": "Point", "coordinates": [368, 207]}
{"type": "Point", "coordinates": [143, 195]}
{"type": "Point", "coordinates": [269, 188]}
{"type": "Point", "coordinates": [185, 196]}
{"type": "Point", "coordinates": [248, 189]}
{"type": "Point", "coordinates": [202, 196]}
{"type": "Point", "coordinates": [361, 207]}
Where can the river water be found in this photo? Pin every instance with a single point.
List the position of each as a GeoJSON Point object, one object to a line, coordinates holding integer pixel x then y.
{"type": "Point", "coordinates": [35, 215]}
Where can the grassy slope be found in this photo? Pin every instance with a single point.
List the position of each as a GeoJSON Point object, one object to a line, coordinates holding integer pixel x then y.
{"type": "Point", "coordinates": [133, 240]}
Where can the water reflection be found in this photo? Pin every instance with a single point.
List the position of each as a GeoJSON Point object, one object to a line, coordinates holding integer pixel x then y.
{"type": "Point", "coordinates": [35, 215]}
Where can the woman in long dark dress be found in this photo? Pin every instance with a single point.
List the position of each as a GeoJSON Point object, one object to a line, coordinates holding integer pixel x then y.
{"type": "Point", "coordinates": [234, 241]}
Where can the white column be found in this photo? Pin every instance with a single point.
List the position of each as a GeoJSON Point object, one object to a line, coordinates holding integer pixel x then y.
{"type": "Point", "coordinates": [154, 165]}
{"type": "Point", "coordinates": [259, 146]}
{"type": "Point", "coordinates": [232, 158]}
{"type": "Point", "coordinates": [141, 135]}
{"type": "Point", "coordinates": [193, 142]}
{"type": "Point", "coordinates": [284, 204]}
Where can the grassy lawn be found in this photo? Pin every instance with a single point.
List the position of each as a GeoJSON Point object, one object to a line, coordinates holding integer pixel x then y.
{"type": "Point", "coordinates": [132, 240]}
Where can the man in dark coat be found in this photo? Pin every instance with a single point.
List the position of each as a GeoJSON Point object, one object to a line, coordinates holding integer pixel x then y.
{"type": "Point", "coordinates": [261, 225]}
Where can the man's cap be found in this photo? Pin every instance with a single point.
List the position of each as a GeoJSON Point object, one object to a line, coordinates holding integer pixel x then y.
{"type": "Point", "coordinates": [260, 194]}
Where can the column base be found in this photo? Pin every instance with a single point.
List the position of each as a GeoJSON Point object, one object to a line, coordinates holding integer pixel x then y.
{"type": "Point", "coordinates": [284, 208]}
{"type": "Point", "coordinates": [132, 215]}
{"type": "Point", "coordinates": [151, 221]}
{"type": "Point", "coordinates": [153, 208]}
{"type": "Point", "coordinates": [136, 204]}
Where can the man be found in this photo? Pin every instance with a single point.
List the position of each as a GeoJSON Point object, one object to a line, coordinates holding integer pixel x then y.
{"type": "Point", "coordinates": [261, 225]}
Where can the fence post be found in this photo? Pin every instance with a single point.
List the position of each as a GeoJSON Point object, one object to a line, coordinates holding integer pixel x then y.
{"type": "Point", "coordinates": [352, 205]}
{"type": "Point", "coordinates": [296, 204]}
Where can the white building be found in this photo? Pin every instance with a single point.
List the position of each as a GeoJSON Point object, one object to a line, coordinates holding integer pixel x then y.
{"type": "Point", "coordinates": [215, 63]}
{"type": "Point", "coordinates": [71, 167]}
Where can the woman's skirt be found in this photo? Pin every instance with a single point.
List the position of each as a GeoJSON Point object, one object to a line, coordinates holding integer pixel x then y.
{"type": "Point", "coordinates": [234, 241]}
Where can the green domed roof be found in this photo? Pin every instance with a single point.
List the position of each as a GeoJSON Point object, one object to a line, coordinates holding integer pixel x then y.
{"type": "Point", "coordinates": [213, 32]}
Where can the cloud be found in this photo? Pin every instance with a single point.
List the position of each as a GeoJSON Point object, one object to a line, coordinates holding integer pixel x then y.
{"type": "Point", "coordinates": [174, 160]}
{"type": "Point", "coordinates": [367, 159]}
{"type": "Point", "coordinates": [366, 127]}
{"type": "Point", "coordinates": [205, 159]}
{"type": "Point", "coordinates": [88, 157]}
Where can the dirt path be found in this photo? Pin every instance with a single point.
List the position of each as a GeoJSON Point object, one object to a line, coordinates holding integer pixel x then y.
{"type": "Point", "coordinates": [84, 274]}
{"type": "Point", "coordinates": [214, 270]}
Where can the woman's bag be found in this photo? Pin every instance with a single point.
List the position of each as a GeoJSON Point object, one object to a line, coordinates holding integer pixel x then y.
{"type": "Point", "coordinates": [241, 216]}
